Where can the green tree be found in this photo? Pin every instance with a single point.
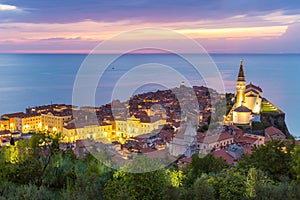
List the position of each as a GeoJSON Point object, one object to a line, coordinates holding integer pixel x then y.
{"type": "Point", "coordinates": [271, 191]}
{"type": "Point", "coordinates": [232, 186]}
{"type": "Point", "coordinates": [149, 185]}
{"type": "Point", "coordinates": [124, 185]}
{"type": "Point", "coordinates": [202, 190]}
{"type": "Point", "coordinates": [207, 164]}
{"type": "Point", "coordinates": [251, 183]}
{"type": "Point", "coordinates": [274, 158]}
{"type": "Point", "coordinates": [296, 163]}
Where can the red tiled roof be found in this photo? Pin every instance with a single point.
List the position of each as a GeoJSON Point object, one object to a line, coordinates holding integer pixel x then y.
{"type": "Point", "coordinates": [246, 140]}
{"type": "Point", "coordinates": [222, 153]}
{"type": "Point", "coordinates": [224, 136]}
{"type": "Point", "coordinates": [204, 138]}
{"type": "Point", "coordinates": [272, 131]}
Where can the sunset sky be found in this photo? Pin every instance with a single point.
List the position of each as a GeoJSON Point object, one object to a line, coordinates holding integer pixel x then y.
{"type": "Point", "coordinates": [77, 26]}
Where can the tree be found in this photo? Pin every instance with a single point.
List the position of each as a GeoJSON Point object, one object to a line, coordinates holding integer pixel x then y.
{"type": "Point", "coordinates": [126, 185]}
{"type": "Point", "coordinates": [271, 191]}
{"type": "Point", "coordinates": [296, 163]}
{"type": "Point", "coordinates": [251, 183]}
{"type": "Point", "coordinates": [274, 158]}
{"type": "Point", "coordinates": [9, 190]}
{"type": "Point", "coordinates": [232, 186]}
{"type": "Point", "coordinates": [150, 185]}
{"type": "Point", "coordinates": [207, 164]}
{"type": "Point", "coordinates": [202, 190]}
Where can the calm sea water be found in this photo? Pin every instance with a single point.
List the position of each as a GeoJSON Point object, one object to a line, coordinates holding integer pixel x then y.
{"type": "Point", "coordinates": [37, 79]}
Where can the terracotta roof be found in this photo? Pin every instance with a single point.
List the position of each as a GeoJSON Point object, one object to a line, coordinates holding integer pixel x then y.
{"type": "Point", "coordinates": [246, 140]}
{"type": "Point", "coordinates": [242, 109]}
{"type": "Point", "coordinates": [272, 131]}
{"type": "Point", "coordinates": [222, 153]}
{"type": "Point", "coordinates": [204, 138]}
{"type": "Point", "coordinates": [224, 136]}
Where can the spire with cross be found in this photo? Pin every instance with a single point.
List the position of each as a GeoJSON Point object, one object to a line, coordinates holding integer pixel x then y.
{"type": "Point", "coordinates": [241, 76]}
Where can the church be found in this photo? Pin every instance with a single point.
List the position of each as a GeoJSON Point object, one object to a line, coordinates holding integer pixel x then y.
{"type": "Point", "coordinates": [248, 102]}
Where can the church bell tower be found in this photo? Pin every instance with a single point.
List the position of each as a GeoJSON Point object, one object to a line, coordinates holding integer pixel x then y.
{"type": "Point", "coordinates": [240, 86]}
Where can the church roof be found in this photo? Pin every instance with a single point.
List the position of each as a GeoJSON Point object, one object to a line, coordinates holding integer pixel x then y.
{"type": "Point", "coordinates": [241, 76]}
{"type": "Point", "coordinates": [251, 86]}
{"type": "Point", "coordinates": [242, 109]}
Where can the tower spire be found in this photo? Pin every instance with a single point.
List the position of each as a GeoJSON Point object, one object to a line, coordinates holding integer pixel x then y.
{"type": "Point", "coordinates": [240, 86]}
{"type": "Point", "coordinates": [241, 76]}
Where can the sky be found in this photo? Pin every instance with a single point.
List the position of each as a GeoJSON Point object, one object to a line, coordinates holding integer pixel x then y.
{"type": "Point", "coordinates": [220, 26]}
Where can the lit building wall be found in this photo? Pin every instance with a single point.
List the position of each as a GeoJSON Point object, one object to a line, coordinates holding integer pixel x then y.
{"type": "Point", "coordinates": [241, 117]}
{"type": "Point", "coordinates": [120, 127]}
{"type": "Point", "coordinates": [253, 102]}
{"type": "Point", "coordinates": [33, 123]}
{"type": "Point", "coordinates": [23, 122]}
{"type": "Point", "coordinates": [240, 93]}
{"type": "Point", "coordinates": [54, 123]}
{"type": "Point", "coordinates": [133, 127]}
{"type": "Point", "coordinates": [94, 132]}
{"type": "Point", "coordinates": [4, 124]}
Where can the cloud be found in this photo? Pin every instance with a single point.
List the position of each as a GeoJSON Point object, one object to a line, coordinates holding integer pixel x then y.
{"type": "Point", "coordinates": [57, 11]}
{"type": "Point", "coordinates": [6, 7]}
{"type": "Point", "coordinates": [220, 25]}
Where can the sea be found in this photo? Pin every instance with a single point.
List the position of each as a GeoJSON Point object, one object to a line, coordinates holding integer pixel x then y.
{"type": "Point", "coordinates": [28, 80]}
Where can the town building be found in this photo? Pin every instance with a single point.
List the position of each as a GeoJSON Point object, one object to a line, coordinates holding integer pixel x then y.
{"type": "Point", "coordinates": [4, 124]}
{"type": "Point", "coordinates": [24, 122]}
{"type": "Point", "coordinates": [54, 121]}
{"type": "Point", "coordinates": [137, 125]}
{"type": "Point", "coordinates": [274, 133]}
{"type": "Point", "coordinates": [84, 130]}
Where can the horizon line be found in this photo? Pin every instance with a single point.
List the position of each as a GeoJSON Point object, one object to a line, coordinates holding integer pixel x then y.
{"type": "Point", "coordinates": [150, 53]}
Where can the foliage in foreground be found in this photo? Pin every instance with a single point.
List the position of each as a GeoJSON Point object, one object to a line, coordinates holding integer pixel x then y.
{"type": "Point", "coordinates": [37, 169]}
